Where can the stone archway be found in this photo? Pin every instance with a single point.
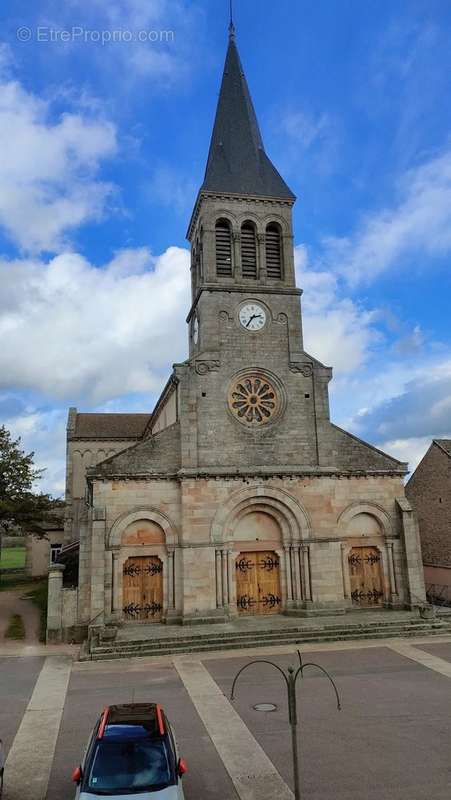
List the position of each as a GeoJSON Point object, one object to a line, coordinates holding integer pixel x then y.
{"type": "Point", "coordinates": [271, 522]}
{"type": "Point", "coordinates": [367, 555]}
{"type": "Point", "coordinates": [141, 542]}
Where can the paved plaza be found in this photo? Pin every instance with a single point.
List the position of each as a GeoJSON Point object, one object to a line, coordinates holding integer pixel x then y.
{"type": "Point", "coordinates": [390, 741]}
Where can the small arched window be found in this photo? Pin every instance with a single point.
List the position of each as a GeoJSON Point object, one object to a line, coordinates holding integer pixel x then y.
{"type": "Point", "coordinates": [248, 250]}
{"type": "Point", "coordinates": [223, 248]}
{"type": "Point", "coordinates": [273, 251]}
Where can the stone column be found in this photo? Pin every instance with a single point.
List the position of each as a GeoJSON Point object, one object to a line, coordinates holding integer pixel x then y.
{"type": "Point", "coordinates": [171, 612]}
{"type": "Point", "coordinates": [391, 568]}
{"type": "Point", "coordinates": [261, 257]}
{"type": "Point", "coordinates": [55, 603]}
{"type": "Point", "coordinates": [236, 254]}
{"type": "Point", "coordinates": [108, 604]}
{"type": "Point", "coordinates": [116, 587]}
{"type": "Point", "coordinates": [412, 550]}
{"type": "Point", "coordinates": [345, 571]}
{"type": "Point", "coordinates": [288, 574]}
{"type": "Point", "coordinates": [169, 580]}
{"type": "Point", "coordinates": [297, 573]}
{"type": "Point", "coordinates": [230, 582]}
{"type": "Point", "coordinates": [306, 571]}
{"type": "Point", "coordinates": [98, 567]}
{"type": "Point", "coordinates": [225, 577]}
{"type": "Point", "coordinates": [219, 590]}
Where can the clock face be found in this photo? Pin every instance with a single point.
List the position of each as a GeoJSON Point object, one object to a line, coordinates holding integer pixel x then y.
{"type": "Point", "coordinates": [195, 330]}
{"type": "Point", "coordinates": [252, 316]}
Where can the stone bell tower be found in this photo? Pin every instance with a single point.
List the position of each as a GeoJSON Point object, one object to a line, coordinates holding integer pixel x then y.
{"type": "Point", "coordinates": [253, 386]}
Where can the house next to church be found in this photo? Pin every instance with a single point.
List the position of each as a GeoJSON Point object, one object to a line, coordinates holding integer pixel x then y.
{"type": "Point", "coordinates": [237, 494]}
{"type": "Point", "coordinates": [429, 492]}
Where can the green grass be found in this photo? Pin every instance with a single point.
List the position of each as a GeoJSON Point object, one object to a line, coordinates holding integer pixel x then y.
{"type": "Point", "coordinates": [12, 558]}
{"type": "Point", "coordinates": [16, 628]}
{"type": "Point", "coordinates": [13, 580]}
{"type": "Point", "coordinates": [38, 596]}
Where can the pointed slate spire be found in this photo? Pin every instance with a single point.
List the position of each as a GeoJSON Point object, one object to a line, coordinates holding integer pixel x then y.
{"type": "Point", "coordinates": [237, 161]}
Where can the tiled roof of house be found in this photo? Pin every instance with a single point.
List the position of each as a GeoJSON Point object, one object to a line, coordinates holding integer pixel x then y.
{"type": "Point", "coordinates": [110, 426]}
{"type": "Point", "coordinates": [445, 444]}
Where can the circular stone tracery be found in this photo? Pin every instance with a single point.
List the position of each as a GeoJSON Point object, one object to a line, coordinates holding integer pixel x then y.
{"type": "Point", "coordinates": [254, 399]}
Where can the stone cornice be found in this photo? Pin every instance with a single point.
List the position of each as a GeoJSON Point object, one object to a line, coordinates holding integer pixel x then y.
{"type": "Point", "coordinates": [104, 438]}
{"type": "Point", "coordinates": [242, 289]}
{"type": "Point", "coordinates": [264, 473]}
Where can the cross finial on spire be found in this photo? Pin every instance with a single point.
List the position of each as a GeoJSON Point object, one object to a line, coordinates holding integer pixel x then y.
{"type": "Point", "coordinates": [231, 25]}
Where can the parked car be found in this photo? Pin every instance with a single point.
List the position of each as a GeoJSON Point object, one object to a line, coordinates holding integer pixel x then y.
{"type": "Point", "coordinates": [132, 753]}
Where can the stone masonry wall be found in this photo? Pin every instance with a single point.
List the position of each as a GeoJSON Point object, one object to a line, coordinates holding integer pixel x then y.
{"type": "Point", "coordinates": [429, 491]}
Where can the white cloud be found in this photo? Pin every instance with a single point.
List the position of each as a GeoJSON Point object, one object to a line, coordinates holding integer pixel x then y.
{"type": "Point", "coordinates": [170, 188]}
{"type": "Point", "coordinates": [148, 40]}
{"type": "Point", "coordinates": [304, 128]}
{"type": "Point", "coordinates": [336, 330]}
{"type": "Point", "coordinates": [420, 224]}
{"type": "Point", "coordinates": [48, 181]}
{"type": "Point", "coordinates": [75, 330]}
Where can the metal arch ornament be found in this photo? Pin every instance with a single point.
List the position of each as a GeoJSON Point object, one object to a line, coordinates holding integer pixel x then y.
{"type": "Point", "coordinates": [245, 601]}
{"type": "Point", "coordinates": [134, 609]}
{"type": "Point", "coordinates": [290, 682]}
{"type": "Point", "coordinates": [269, 563]}
{"type": "Point", "coordinates": [153, 569]}
{"type": "Point", "coordinates": [372, 558]}
{"type": "Point", "coordinates": [131, 610]}
{"type": "Point", "coordinates": [270, 600]}
{"type": "Point", "coordinates": [132, 570]}
{"type": "Point", "coordinates": [152, 608]}
{"type": "Point", "coordinates": [244, 565]}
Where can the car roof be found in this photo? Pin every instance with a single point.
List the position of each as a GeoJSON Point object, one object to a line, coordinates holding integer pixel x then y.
{"type": "Point", "coordinates": [146, 718]}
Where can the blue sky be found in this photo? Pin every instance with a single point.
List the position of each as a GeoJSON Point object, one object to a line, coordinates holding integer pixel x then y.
{"type": "Point", "coordinates": [103, 149]}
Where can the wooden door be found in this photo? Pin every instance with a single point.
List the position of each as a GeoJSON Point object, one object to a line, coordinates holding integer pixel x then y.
{"type": "Point", "coordinates": [366, 576]}
{"type": "Point", "coordinates": [258, 583]}
{"type": "Point", "coordinates": [142, 589]}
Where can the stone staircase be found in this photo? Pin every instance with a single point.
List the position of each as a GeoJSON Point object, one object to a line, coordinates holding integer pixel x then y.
{"type": "Point", "coordinates": [177, 641]}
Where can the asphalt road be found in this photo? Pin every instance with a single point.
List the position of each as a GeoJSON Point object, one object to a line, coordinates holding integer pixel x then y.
{"type": "Point", "coordinates": [390, 741]}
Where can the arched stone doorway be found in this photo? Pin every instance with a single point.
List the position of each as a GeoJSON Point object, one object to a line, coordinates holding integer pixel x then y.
{"type": "Point", "coordinates": [258, 564]}
{"type": "Point", "coordinates": [142, 571]}
{"type": "Point", "coordinates": [273, 527]}
{"type": "Point", "coordinates": [367, 557]}
{"type": "Point", "coordinates": [142, 543]}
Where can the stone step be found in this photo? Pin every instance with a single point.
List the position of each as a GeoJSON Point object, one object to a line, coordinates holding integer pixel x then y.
{"type": "Point", "coordinates": [149, 651]}
{"type": "Point", "coordinates": [269, 633]}
{"type": "Point", "coordinates": [266, 635]}
{"type": "Point", "coordinates": [204, 644]}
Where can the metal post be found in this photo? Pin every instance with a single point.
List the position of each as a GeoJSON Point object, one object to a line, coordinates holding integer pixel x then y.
{"type": "Point", "coordinates": [293, 718]}
{"type": "Point", "coordinates": [292, 708]}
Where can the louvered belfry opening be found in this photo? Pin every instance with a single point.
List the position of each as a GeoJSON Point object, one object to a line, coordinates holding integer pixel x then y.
{"type": "Point", "coordinates": [248, 251]}
{"type": "Point", "coordinates": [223, 248]}
{"type": "Point", "coordinates": [273, 251]}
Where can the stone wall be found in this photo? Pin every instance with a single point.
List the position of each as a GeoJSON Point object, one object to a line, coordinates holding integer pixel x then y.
{"type": "Point", "coordinates": [311, 523]}
{"type": "Point", "coordinates": [429, 492]}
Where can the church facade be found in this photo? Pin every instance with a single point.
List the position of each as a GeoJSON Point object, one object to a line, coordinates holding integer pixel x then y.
{"type": "Point", "coordinates": [237, 495]}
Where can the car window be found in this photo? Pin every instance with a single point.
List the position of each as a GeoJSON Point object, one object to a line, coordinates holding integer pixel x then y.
{"type": "Point", "coordinates": [129, 766]}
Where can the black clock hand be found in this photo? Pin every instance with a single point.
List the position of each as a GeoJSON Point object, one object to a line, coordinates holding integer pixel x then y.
{"type": "Point", "coordinates": [253, 317]}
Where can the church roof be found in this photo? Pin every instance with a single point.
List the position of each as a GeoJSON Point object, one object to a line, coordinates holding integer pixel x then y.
{"type": "Point", "coordinates": [110, 426]}
{"type": "Point", "coordinates": [237, 162]}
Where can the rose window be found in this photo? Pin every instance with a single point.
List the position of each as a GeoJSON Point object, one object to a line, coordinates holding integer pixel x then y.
{"type": "Point", "coordinates": [254, 400]}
